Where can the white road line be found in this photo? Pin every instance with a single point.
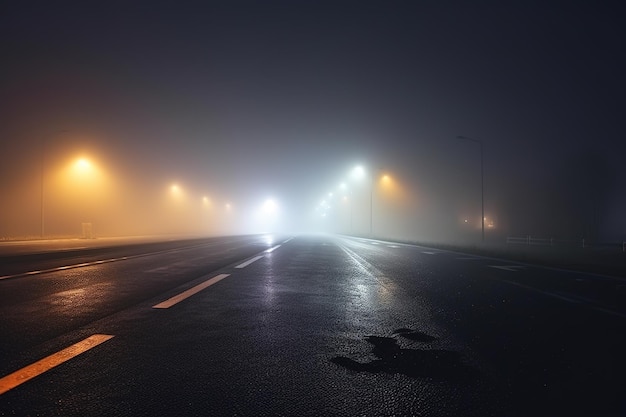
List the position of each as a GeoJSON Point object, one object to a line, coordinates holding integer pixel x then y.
{"type": "Point", "coordinates": [63, 268]}
{"type": "Point", "coordinates": [549, 294]}
{"type": "Point", "coordinates": [611, 312]}
{"type": "Point", "coordinates": [31, 371]}
{"type": "Point", "coordinates": [272, 249]}
{"type": "Point", "coordinates": [511, 268]}
{"type": "Point", "coordinates": [102, 261]}
{"type": "Point", "coordinates": [191, 291]}
{"type": "Point", "coordinates": [248, 262]}
{"type": "Point", "coordinates": [566, 298]}
{"type": "Point", "coordinates": [43, 271]}
{"type": "Point", "coordinates": [161, 269]}
{"type": "Point", "coordinates": [576, 297]}
{"type": "Point", "coordinates": [429, 253]}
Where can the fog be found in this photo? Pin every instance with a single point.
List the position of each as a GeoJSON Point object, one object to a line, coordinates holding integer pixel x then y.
{"type": "Point", "coordinates": [214, 119]}
{"type": "Point", "coordinates": [88, 187]}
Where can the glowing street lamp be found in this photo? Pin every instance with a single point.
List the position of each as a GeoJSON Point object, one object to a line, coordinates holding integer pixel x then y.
{"type": "Point", "coordinates": [81, 182]}
{"type": "Point", "coordinates": [84, 173]}
{"type": "Point", "coordinates": [359, 172]}
{"type": "Point", "coordinates": [82, 164]}
{"type": "Point", "coordinates": [269, 207]}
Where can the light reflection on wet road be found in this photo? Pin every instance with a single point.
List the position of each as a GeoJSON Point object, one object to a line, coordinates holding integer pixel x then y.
{"type": "Point", "coordinates": [320, 325]}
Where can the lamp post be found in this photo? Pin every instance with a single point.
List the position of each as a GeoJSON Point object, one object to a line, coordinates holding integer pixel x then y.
{"type": "Point", "coordinates": [371, 204]}
{"type": "Point", "coordinates": [41, 197]}
{"type": "Point", "coordinates": [482, 183]}
{"type": "Point", "coordinates": [359, 172]}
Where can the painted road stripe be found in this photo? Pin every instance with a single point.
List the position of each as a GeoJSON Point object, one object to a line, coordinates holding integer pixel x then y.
{"type": "Point", "coordinates": [81, 265]}
{"type": "Point", "coordinates": [31, 371]}
{"type": "Point", "coordinates": [62, 268]}
{"type": "Point", "coordinates": [569, 298]}
{"type": "Point", "coordinates": [272, 249]}
{"type": "Point", "coordinates": [429, 253]}
{"type": "Point", "coordinates": [191, 291]}
{"type": "Point", "coordinates": [248, 262]}
{"type": "Point", "coordinates": [511, 268]}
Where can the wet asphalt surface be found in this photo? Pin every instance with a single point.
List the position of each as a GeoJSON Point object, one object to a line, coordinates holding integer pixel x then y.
{"type": "Point", "coordinates": [314, 325]}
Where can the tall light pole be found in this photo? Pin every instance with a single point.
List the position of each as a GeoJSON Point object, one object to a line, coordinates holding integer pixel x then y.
{"type": "Point", "coordinates": [371, 204]}
{"type": "Point", "coordinates": [42, 179]}
{"type": "Point", "coordinates": [359, 172]}
{"type": "Point", "coordinates": [482, 183]}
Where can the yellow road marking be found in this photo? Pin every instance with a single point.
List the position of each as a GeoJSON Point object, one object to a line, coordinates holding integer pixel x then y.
{"type": "Point", "coordinates": [31, 371]}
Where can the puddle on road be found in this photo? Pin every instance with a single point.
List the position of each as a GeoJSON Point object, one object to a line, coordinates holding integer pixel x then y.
{"type": "Point", "coordinates": [414, 363]}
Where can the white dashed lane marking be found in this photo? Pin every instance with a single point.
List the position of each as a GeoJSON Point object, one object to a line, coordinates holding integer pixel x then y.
{"type": "Point", "coordinates": [511, 268]}
{"type": "Point", "coordinates": [248, 262]}
{"type": "Point", "coordinates": [191, 291]}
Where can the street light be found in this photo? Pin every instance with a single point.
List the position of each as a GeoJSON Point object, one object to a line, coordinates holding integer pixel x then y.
{"type": "Point", "coordinates": [359, 172]}
{"type": "Point", "coordinates": [43, 169]}
{"type": "Point", "coordinates": [82, 165]}
{"type": "Point", "coordinates": [84, 173]}
{"type": "Point", "coordinates": [80, 169]}
{"type": "Point", "coordinates": [175, 189]}
{"type": "Point", "coordinates": [482, 183]}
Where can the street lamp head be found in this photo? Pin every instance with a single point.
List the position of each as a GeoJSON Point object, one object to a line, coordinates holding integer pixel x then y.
{"type": "Point", "coordinates": [358, 172]}
{"type": "Point", "coordinates": [83, 166]}
{"type": "Point", "coordinates": [83, 163]}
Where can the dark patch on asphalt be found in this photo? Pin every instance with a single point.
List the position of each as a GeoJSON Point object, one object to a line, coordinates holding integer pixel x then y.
{"type": "Point", "coordinates": [414, 363]}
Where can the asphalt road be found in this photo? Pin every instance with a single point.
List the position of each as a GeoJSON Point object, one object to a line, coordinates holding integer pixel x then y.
{"type": "Point", "coordinates": [305, 325]}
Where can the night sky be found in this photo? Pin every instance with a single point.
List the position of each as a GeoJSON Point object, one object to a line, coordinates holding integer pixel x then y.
{"type": "Point", "coordinates": [244, 100]}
